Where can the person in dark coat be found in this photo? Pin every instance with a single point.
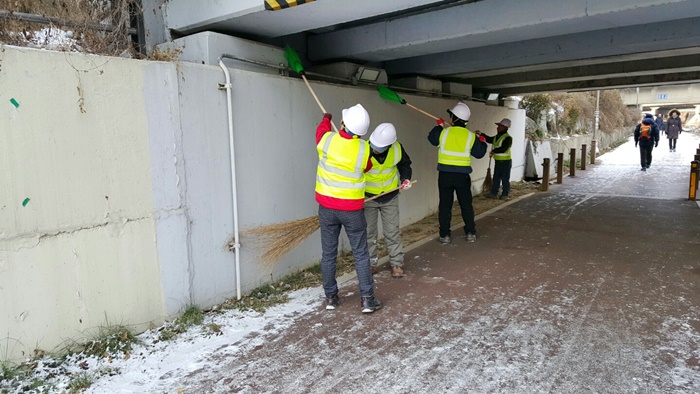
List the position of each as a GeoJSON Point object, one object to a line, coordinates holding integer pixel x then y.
{"type": "Point", "coordinates": [660, 123]}
{"type": "Point", "coordinates": [674, 128]}
{"type": "Point", "coordinates": [646, 135]}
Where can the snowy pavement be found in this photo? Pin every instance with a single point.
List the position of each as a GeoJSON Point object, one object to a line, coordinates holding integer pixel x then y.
{"type": "Point", "coordinates": [590, 288]}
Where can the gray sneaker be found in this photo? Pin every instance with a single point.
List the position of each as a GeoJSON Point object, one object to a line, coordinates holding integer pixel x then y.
{"type": "Point", "coordinates": [370, 304]}
{"type": "Point", "coordinates": [471, 237]}
{"type": "Point", "coordinates": [332, 302]}
{"type": "Point", "coordinates": [445, 240]}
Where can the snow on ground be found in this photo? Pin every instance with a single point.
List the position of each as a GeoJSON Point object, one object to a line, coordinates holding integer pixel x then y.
{"type": "Point", "coordinates": [159, 366]}
{"type": "Point", "coordinates": [627, 153]}
{"type": "Point", "coordinates": [154, 363]}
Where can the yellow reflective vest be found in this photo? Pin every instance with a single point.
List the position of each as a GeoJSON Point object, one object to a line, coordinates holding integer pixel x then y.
{"type": "Point", "coordinates": [497, 142]}
{"type": "Point", "coordinates": [384, 176]}
{"type": "Point", "coordinates": [341, 166]}
{"type": "Point", "coordinates": [455, 146]}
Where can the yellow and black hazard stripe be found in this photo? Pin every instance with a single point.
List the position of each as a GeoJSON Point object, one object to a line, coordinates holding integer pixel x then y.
{"type": "Point", "coordinates": [276, 5]}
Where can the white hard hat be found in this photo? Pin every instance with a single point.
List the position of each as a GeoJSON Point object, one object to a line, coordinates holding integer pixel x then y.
{"type": "Point", "coordinates": [383, 135]}
{"type": "Point", "coordinates": [505, 122]}
{"type": "Point", "coordinates": [356, 119]}
{"type": "Point", "coordinates": [461, 111]}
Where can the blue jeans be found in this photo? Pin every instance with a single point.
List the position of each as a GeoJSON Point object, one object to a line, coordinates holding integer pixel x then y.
{"type": "Point", "coordinates": [331, 221]}
{"type": "Point", "coordinates": [501, 174]}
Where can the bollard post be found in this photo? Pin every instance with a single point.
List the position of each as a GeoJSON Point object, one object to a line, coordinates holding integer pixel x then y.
{"type": "Point", "coordinates": [545, 175]}
{"type": "Point", "coordinates": [697, 158]}
{"type": "Point", "coordinates": [583, 157]}
{"type": "Point", "coordinates": [572, 162]}
{"type": "Point", "coordinates": [693, 190]}
{"type": "Point", "coordinates": [594, 144]}
{"type": "Point", "coordinates": [560, 167]}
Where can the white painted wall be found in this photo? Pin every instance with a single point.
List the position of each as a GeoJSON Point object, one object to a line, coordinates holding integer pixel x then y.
{"type": "Point", "coordinates": [130, 200]}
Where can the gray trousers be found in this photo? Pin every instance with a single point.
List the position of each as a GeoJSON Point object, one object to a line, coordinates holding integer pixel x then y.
{"type": "Point", "coordinates": [389, 212]}
{"type": "Point", "coordinates": [331, 221]}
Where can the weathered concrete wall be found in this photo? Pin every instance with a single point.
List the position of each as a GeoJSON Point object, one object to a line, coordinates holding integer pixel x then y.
{"type": "Point", "coordinates": [126, 164]}
{"type": "Point", "coordinates": [81, 252]}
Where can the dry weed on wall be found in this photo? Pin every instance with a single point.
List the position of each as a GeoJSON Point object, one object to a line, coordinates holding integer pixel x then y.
{"type": "Point", "coordinates": [86, 19]}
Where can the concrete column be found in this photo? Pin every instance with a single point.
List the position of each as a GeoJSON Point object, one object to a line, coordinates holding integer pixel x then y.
{"type": "Point", "coordinates": [653, 110]}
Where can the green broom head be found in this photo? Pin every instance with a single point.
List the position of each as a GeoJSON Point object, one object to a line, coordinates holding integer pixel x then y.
{"type": "Point", "coordinates": [293, 60]}
{"type": "Point", "coordinates": [388, 94]}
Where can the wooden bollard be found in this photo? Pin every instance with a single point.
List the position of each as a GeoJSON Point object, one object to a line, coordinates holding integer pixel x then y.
{"type": "Point", "coordinates": [583, 157]}
{"type": "Point", "coordinates": [594, 145]}
{"type": "Point", "coordinates": [560, 167]}
{"type": "Point", "coordinates": [572, 162]}
{"type": "Point", "coordinates": [545, 175]}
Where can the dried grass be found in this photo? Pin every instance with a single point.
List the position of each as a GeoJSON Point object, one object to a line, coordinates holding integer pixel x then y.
{"type": "Point", "coordinates": [99, 26]}
{"type": "Point", "coordinates": [280, 238]}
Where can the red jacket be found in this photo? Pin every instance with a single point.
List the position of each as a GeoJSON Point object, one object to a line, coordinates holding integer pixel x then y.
{"type": "Point", "coordinates": [340, 204]}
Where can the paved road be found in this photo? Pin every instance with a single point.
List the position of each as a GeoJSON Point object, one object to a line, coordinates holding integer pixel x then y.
{"type": "Point", "coordinates": [593, 287]}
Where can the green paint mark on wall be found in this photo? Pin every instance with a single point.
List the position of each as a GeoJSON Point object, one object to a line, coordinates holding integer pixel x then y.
{"type": "Point", "coordinates": [25, 202]}
{"type": "Point", "coordinates": [14, 102]}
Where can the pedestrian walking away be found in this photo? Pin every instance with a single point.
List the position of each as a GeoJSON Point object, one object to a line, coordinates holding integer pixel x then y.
{"type": "Point", "coordinates": [343, 159]}
{"type": "Point", "coordinates": [674, 128]}
{"type": "Point", "coordinates": [391, 168]}
{"type": "Point", "coordinates": [660, 123]}
{"type": "Point", "coordinates": [502, 142]}
{"type": "Point", "coordinates": [646, 135]}
{"type": "Point", "coordinates": [456, 145]}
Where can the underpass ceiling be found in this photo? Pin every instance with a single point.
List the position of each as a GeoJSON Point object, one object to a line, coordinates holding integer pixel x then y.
{"type": "Point", "coordinates": [497, 46]}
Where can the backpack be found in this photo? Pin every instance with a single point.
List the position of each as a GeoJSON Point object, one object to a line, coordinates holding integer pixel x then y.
{"type": "Point", "coordinates": [645, 131]}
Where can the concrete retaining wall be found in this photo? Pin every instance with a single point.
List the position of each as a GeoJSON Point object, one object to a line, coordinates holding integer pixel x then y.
{"type": "Point", "coordinates": [125, 165]}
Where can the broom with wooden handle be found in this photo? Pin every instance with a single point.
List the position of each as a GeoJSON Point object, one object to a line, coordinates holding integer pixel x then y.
{"type": "Point", "coordinates": [488, 182]}
{"type": "Point", "coordinates": [295, 64]}
{"type": "Point", "coordinates": [280, 238]}
{"type": "Point", "coordinates": [388, 94]}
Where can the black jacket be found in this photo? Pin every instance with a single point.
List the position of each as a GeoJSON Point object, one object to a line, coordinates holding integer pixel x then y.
{"type": "Point", "coordinates": [507, 142]}
{"type": "Point", "coordinates": [478, 151]}
{"type": "Point", "coordinates": [405, 172]}
{"type": "Point", "coordinates": [654, 131]}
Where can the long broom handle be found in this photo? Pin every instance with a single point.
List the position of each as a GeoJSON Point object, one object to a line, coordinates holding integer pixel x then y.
{"type": "Point", "coordinates": [386, 192]}
{"type": "Point", "coordinates": [317, 100]}
{"type": "Point", "coordinates": [421, 111]}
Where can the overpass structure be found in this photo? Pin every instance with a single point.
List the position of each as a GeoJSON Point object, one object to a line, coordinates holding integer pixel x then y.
{"type": "Point", "coordinates": [662, 99]}
{"type": "Point", "coordinates": [500, 47]}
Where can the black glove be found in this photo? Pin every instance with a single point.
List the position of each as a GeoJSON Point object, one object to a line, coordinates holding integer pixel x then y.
{"type": "Point", "coordinates": [635, 144]}
{"type": "Point", "coordinates": [656, 145]}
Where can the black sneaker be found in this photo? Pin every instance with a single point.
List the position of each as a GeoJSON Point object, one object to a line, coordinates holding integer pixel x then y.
{"type": "Point", "coordinates": [370, 304]}
{"type": "Point", "coordinates": [332, 302]}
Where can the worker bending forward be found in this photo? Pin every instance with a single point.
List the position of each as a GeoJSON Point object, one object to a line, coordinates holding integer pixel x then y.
{"type": "Point", "coordinates": [391, 169]}
{"type": "Point", "coordinates": [343, 159]}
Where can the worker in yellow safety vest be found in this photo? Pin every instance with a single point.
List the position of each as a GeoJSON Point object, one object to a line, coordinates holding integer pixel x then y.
{"type": "Point", "coordinates": [391, 169]}
{"type": "Point", "coordinates": [343, 159]}
{"type": "Point", "coordinates": [500, 151]}
{"type": "Point", "coordinates": [456, 145]}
